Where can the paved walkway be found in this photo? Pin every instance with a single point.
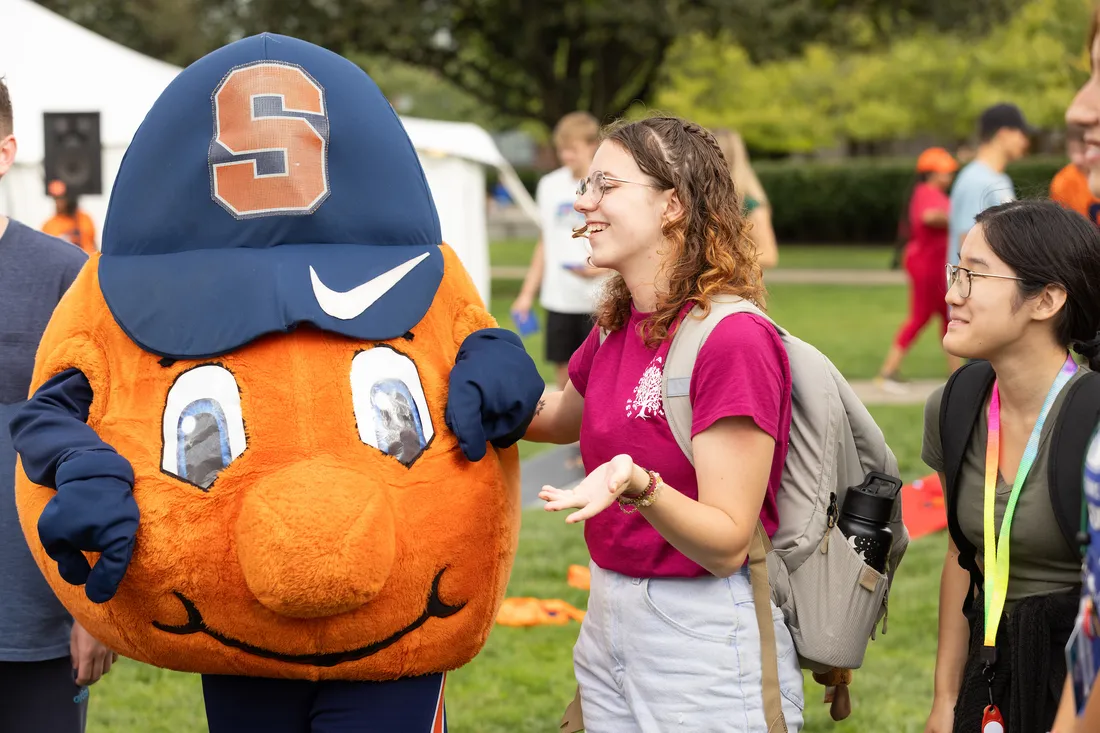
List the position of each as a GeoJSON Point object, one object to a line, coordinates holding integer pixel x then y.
{"type": "Point", "coordinates": [916, 392]}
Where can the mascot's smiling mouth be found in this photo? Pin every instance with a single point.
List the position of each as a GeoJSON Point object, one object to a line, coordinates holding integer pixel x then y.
{"type": "Point", "coordinates": [435, 609]}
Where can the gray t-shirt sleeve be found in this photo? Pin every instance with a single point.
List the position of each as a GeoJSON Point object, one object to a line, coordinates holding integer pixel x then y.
{"type": "Point", "coordinates": [931, 451]}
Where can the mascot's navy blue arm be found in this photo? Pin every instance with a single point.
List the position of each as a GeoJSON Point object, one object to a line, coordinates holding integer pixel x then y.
{"type": "Point", "coordinates": [94, 508]}
{"type": "Point", "coordinates": [494, 390]}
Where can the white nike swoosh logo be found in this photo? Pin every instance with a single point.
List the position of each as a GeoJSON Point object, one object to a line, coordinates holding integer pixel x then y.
{"type": "Point", "coordinates": [354, 302]}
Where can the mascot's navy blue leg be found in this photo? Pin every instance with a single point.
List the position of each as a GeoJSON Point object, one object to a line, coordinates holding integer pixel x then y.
{"type": "Point", "coordinates": [236, 704]}
{"type": "Point", "coordinates": [410, 705]}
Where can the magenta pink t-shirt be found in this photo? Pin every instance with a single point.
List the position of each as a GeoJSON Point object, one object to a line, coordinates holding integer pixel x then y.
{"type": "Point", "coordinates": [742, 370]}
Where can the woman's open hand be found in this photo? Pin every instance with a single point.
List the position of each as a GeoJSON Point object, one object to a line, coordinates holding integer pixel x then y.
{"type": "Point", "coordinates": [599, 489]}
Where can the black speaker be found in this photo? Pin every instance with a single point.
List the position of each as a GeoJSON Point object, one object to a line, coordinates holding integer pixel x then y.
{"type": "Point", "coordinates": [73, 151]}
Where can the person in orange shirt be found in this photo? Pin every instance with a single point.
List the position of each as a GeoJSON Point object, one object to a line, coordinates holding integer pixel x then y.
{"type": "Point", "coordinates": [1070, 186]}
{"type": "Point", "coordinates": [69, 223]}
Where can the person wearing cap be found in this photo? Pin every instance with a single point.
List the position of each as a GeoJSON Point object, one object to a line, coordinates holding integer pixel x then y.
{"type": "Point", "coordinates": [45, 658]}
{"type": "Point", "coordinates": [1070, 186]}
{"type": "Point", "coordinates": [69, 222]}
{"type": "Point", "coordinates": [925, 251]}
{"type": "Point", "coordinates": [1004, 137]}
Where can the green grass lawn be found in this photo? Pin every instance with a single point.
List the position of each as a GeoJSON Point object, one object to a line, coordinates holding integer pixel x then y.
{"type": "Point", "coordinates": [834, 257]}
{"type": "Point", "coordinates": [523, 678]}
{"type": "Point", "coordinates": [511, 252]}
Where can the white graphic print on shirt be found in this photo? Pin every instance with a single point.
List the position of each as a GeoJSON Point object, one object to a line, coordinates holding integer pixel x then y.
{"type": "Point", "coordinates": [647, 394]}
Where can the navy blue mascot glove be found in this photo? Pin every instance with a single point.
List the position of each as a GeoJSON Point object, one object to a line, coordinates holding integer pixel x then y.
{"type": "Point", "coordinates": [94, 508]}
{"type": "Point", "coordinates": [494, 390]}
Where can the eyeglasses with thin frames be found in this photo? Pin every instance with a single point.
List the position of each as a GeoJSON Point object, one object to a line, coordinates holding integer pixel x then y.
{"type": "Point", "coordinates": [596, 184]}
{"type": "Point", "coordinates": [965, 278]}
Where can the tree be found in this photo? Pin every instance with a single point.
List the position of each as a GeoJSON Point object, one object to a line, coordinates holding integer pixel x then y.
{"type": "Point", "coordinates": [773, 30]}
{"type": "Point", "coordinates": [931, 84]}
{"type": "Point", "coordinates": [524, 59]}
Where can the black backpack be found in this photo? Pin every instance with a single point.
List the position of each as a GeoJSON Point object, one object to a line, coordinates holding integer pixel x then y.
{"type": "Point", "coordinates": [963, 398]}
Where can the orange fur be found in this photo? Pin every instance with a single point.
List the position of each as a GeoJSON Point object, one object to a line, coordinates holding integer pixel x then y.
{"type": "Point", "coordinates": [311, 542]}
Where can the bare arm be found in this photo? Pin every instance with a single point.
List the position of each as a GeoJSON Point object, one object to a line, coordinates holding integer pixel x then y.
{"type": "Point", "coordinates": [558, 417]}
{"type": "Point", "coordinates": [1090, 720]}
{"type": "Point", "coordinates": [935, 218]}
{"type": "Point", "coordinates": [954, 634]}
{"type": "Point", "coordinates": [763, 236]}
{"type": "Point", "coordinates": [733, 459]}
{"type": "Point", "coordinates": [532, 282]}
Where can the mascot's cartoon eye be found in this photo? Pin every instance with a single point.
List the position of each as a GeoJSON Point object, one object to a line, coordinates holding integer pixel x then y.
{"type": "Point", "coordinates": [390, 410]}
{"type": "Point", "coordinates": [203, 426]}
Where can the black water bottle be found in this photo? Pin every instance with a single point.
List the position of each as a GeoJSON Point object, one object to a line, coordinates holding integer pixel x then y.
{"type": "Point", "coordinates": [865, 518]}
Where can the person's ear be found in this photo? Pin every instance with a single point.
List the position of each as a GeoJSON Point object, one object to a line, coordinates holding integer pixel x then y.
{"type": "Point", "coordinates": [7, 153]}
{"type": "Point", "coordinates": [674, 209]}
{"type": "Point", "coordinates": [1049, 303]}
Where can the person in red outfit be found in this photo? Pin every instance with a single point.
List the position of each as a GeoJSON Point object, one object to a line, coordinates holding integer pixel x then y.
{"type": "Point", "coordinates": [925, 253]}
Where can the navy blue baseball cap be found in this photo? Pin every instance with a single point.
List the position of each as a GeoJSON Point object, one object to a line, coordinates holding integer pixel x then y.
{"type": "Point", "coordinates": [270, 185]}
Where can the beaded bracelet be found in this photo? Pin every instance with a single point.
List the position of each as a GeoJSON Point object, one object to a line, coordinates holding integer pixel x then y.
{"type": "Point", "coordinates": [629, 505]}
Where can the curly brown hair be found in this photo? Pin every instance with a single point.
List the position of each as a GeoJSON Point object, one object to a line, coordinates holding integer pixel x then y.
{"type": "Point", "coordinates": [710, 253]}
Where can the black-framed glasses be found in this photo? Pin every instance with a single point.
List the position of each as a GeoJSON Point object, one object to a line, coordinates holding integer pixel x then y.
{"type": "Point", "coordinates": [596, 185]}
{"type": "Point", "coordinates": [965, 278]}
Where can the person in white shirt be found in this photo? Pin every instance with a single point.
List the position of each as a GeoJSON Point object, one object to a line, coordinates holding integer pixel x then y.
{"type": "Point", "coordinates": [559, 273]}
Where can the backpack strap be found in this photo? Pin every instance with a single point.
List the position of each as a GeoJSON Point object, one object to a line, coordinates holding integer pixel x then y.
{"type": "Point", "coordinates": [690, 335]}
{"type": "Point", "coordinates": [963, 398]}
{"type": "Point", "coordinates": [1069, 441]}
{"type": "Point", "coordinates": [759, 547]}
{"type": "Point", "coordinates": [688, 338]}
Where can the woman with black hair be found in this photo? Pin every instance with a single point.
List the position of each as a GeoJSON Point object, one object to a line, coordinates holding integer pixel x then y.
{"type": "Point", "coordinates": [1026, 291]}
{"type": "Point", "coordinates": [925, 231]}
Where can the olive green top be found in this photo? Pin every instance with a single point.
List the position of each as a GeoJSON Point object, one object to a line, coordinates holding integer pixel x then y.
{"type": "Point", "coordinates": [1042, 562]}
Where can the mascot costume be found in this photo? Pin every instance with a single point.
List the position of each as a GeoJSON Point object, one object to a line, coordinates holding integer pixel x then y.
{"type": "Point", "coordinates": [271, 432]}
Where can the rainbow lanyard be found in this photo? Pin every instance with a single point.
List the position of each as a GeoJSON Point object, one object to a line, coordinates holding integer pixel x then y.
{"type": "Point", "coordinates": [997, 553]}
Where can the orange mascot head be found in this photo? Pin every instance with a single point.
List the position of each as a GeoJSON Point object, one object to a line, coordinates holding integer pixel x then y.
{"type": "Point", "coordinates": [271, 427]}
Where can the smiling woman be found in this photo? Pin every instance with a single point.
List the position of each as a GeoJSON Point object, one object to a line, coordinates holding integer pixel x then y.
{"type": "Point", "coordinates": [1027, 290]}
{"type": "Point", "coordinates": [668, 537]}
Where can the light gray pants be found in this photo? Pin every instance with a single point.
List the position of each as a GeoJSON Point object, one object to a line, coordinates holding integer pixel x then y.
{"type": "Point", "coordinates": [657, 655]}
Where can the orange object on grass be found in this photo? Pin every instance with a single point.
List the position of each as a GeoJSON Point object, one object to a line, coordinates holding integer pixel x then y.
{"type": "Point", "coordinates": [580, 577]}
{"type": "Point", "coordinates": [537, 612]}
{"type": "Point", "coordinates": [922, 506]}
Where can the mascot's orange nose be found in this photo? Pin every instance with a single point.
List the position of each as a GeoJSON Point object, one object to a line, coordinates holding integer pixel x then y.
{"type": "Point", "coordinates": [315, 540]}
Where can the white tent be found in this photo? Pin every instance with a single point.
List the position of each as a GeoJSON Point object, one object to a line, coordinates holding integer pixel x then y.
{"type": "Point", "coordinates": [454, 156]}
{"type": "Point", "coordinates": [54, 65]}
